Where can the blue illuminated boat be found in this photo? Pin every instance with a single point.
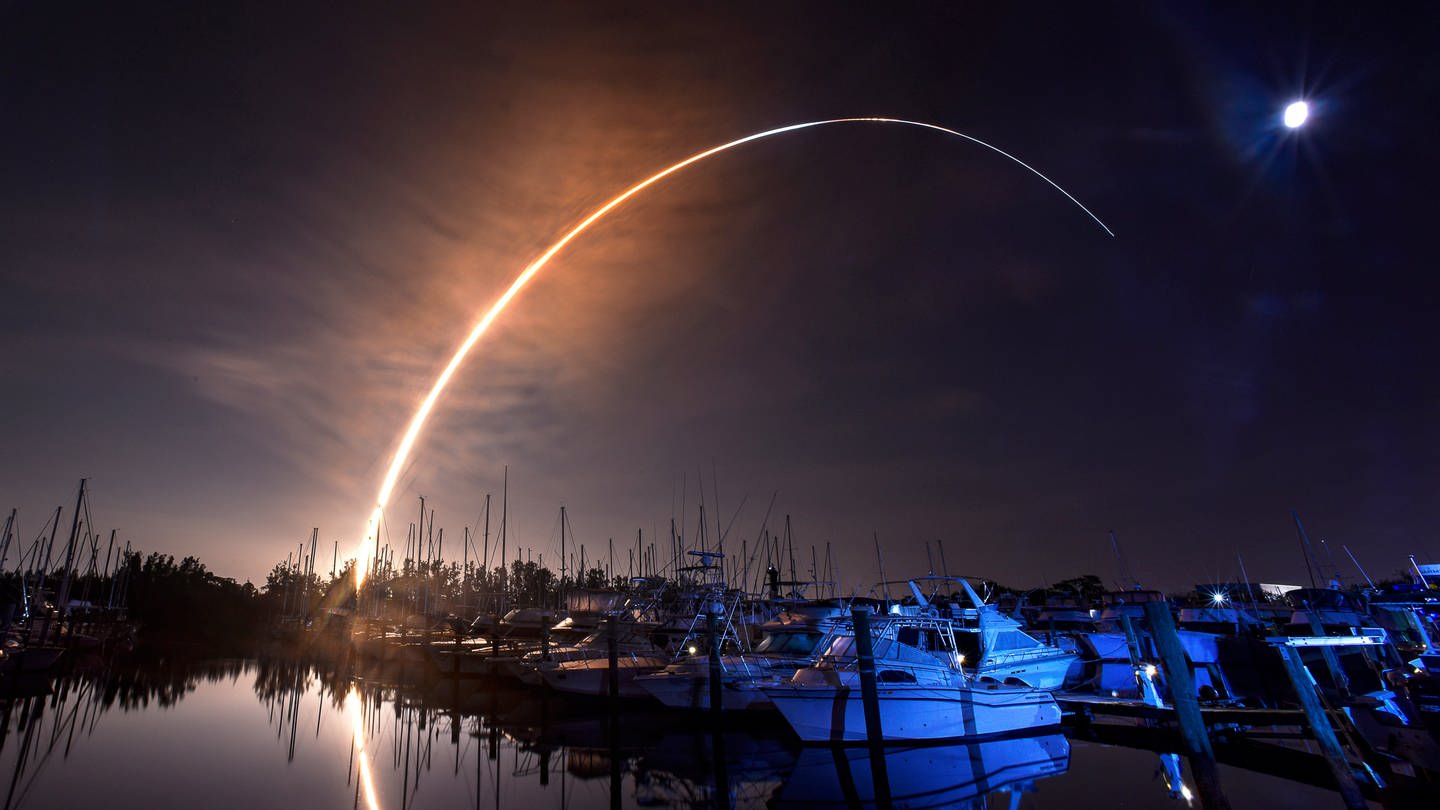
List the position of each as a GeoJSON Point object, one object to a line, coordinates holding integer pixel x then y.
{"type": "Point", "coordinates": [924, 691]}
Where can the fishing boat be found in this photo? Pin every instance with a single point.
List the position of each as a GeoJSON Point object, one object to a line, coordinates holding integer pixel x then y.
{"type": "Point", "coordinates": [995, 645]}
{"type": "Point", "coordinates": [585, 611]}
{"type": "Point", "coordinates": [923, 690]}
{"type": "Point", "coordinates": [788, 642]}
{"type": "Point", "coordinates": [530, 622]}
{"type": "Point", "coordinates": [1113, 656]}
{"type": "Point", "coordinates": [584, 668]}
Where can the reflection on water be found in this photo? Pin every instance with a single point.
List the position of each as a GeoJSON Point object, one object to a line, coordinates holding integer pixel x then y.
{"type": "Point", "coordinates": [290, 733]}
{"type": "Point", "coordinates": [928, 776]}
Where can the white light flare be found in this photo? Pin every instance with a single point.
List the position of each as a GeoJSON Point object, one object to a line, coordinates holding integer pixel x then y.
{"type": "Point", "coordinates": [356, 709]}
{"type": "Point", "coordinates": [422, 413]}
{"type": "Point", "coordinates": [1296, 114]}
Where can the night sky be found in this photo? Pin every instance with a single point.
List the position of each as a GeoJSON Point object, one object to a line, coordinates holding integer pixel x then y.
{"type": "Point", "coordinates": [237, 242]}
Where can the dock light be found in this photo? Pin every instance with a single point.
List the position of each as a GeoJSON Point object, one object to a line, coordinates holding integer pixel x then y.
{"type": "Point", "coordinates": [693, 649]}
{"type": "Point", "coordinates": [1296, 114]}
{"type": "Point", "coordinates": [1218, 597]}
{"type": "Point", "coordinates": [1150, 670]}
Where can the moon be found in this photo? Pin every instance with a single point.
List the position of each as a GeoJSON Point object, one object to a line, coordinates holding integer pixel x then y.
{"type": "Point", "coordinates": [1296, 113]}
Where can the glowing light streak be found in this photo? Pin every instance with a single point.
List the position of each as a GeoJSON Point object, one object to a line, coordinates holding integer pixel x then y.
{"type": "Point", "coordinates": [422, 413]}
{"type": "Point", "coordinates": [367, 780]}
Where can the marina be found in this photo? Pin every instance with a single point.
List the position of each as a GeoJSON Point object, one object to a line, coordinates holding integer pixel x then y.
{"type": "Point", "coordinates": [688, 691]}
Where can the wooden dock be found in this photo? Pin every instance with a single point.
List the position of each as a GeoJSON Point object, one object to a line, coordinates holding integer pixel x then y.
{"type": "Point", "coordinates": [1086, 708]}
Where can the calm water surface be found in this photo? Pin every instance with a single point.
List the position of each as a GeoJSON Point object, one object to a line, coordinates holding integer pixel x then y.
{"type": "Point", "coordinates": [262, 733]}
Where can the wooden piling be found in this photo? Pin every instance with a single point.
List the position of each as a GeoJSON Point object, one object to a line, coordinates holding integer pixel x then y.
{"type": "Point", "coordinates": [721, 768]}
{"type": "Point", "coordinates": [1187, 708]}
{"type": "Point", "coordinates": [870, 699]}
{"type": "Point", "coordinates": [1332, 661]}
{"type": "Point", "coordinates": [1319, 723]}
{"type": "Point", "coordinates": [713, 644]}
{"type": "Point", "coordinates": [1177, 679]}
{"type": "Point", "coordinates": [612, 645]}
{"type": "Point", "coordinates": [865, 661]}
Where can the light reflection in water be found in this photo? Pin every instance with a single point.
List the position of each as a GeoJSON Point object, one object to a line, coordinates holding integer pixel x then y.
{"type": "Point", "coordinates": [314, 734]}
{"type": "Point", "coordinates": [356, 710]}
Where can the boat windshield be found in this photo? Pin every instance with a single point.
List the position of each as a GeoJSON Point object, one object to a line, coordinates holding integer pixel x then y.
{"type": "Point", "coordinates": [788, 643]}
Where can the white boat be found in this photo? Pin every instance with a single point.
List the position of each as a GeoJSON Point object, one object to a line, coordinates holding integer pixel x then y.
{"type": "Point", "coordinates": [584, 667]}
{"type": "Point", "coordinates": [592, 676]}
{"type": "Point", "coordinates": [995, 646]}
{"type": "Point", "coordinates": [789, 642]}
{"type": "Point", "coordinates": [924, 692]}
{"type": "Point", "coordinates": [526, 622]}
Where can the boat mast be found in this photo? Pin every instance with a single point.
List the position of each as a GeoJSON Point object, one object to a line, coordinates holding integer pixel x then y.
{"type": "Point", "coordinates": [1127, 578]}
{"type": "Point", "coordinates": [62, 599]}
{"type": "Point", "coordinates": [1311, 562]}
{"type": "Point", "coordinates": [1358, 566]}
{"type": "Point", "coordinates": [5, 542]}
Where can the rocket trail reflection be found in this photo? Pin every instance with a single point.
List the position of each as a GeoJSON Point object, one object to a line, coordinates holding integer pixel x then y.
{"type": "Point", "coordinates": [422, 413]}
{"type": "Point", "coordinates": [356, 710]}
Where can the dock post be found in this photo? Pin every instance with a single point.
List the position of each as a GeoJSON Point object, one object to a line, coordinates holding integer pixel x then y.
{"type": "Point", "coordinates": [616, 771]}
{"type": "Point", "coordinates": [870, 699]}
{"type": "Point", "coordinates": [612, 645]}
{"type": "Point", "coordinates": [865, 660]}
{"type": "Point", "coordinates": [1177, 679]}
{"type": "Point", "coordinates": [1332, 661]}
{"type": "Point", "coordinates": [1187, 708]}
{"type": "Point", "coordinates": [1319, 722]}
{"type": "Point", "coordinates": [713, 643]}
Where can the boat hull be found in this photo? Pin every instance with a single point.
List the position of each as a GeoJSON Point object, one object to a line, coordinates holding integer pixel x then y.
{"type": "Point", "coordinates": [690, 691]}
{"type": "Point", "coordinates": [908, 712]}
{"type": "Point", "coordinates": [593, 677]}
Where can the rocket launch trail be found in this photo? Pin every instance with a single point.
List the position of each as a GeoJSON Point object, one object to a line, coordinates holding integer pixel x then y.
{"type": "Point", "coordinates": [422, 413]}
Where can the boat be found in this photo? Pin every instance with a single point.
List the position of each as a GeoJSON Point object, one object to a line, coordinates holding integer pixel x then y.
{"type": "Point", "coordinates": [585, 612]}
{"type": "Point", "coordinates": [788, 642]}
{"type": "Point", "coordinates": [1113, 658]}
{"type": "Point", "coordinates": [995, 645]}
{"type": "Point", "coordinates": [529, 622]}
{"type": "Point", "coordinates": [923, 690]}
{"type": "Point", "coordinates": [584, 668]}
{"type": "Point", "coordinates": [19, 658]}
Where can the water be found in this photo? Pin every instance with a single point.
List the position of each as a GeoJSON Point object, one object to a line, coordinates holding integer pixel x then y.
{"type": "Point", "coordinates": [280, 733]}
